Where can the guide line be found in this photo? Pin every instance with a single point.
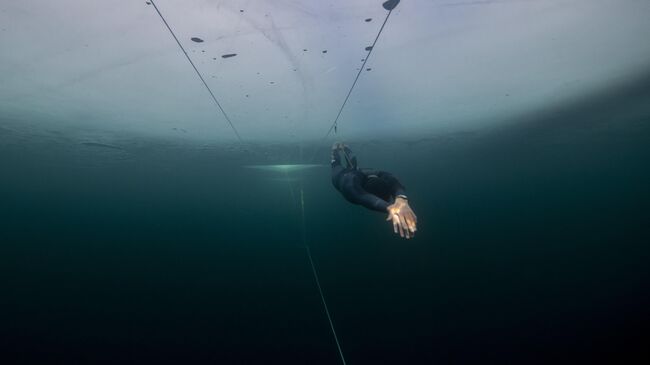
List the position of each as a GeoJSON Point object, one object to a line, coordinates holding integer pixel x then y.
{"type": "Point", "coordinates": [232, 126]}
{"type": "Point", "coordinates": [313, 269]}
{"type": "Point", "coordinates": [388, 5]}
{"type": "Point", "coordinates": [356, 79]}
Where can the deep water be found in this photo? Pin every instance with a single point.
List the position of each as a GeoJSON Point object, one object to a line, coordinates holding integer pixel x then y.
{"type": "Point", "coordinates": [532, 248]}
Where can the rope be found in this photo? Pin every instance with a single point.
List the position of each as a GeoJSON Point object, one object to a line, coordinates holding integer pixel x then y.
{"type": "Point", "coordinates": [302, 200]}
{"type": "Point", "coordinates": [335, 124]}
{"type": "Point", "coordinates": [313, 270]}
{"type": "Point", "coordinates": [333, 127]}
{"type": "Point", "coordinates": [232, 126]}
{"type": "Point", "coordinates": [354, 83]}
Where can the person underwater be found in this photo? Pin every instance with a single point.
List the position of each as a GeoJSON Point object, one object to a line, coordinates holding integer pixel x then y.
{"type": "Point", "coordinates": [375, 190]}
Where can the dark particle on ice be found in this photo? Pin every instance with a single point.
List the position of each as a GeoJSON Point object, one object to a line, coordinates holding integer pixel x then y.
{"type": "Point", "coordinates": [368, 48]}
{"type": "Point", "coordinates": [324, 51]}
{"type": "Point", "coordinates": [368, 19]}
{"type": "Point", "coordinates": [368, 69]}
{"type": "Point", "coordinates": [214, 58]}
{"type": "Point", "coordinates": [247, 95]}
{"type": "Point", "coordinates": [148, 3]}
{"type": "Point", "coordinates": [272, 82]}
{"type": "Point", "coordinates": [241, 10]}
{"type": "Point", "coordinates": [197, 39]}
{"type": "Point", "coordinates": [304, 49]}
{"type": "Point", "coordinates": [203, 50]}
{"type": "Point", "coordinates": [229, 55]}
{"type": "Point", "coordinates": [390, 4]}
{"type": "Point", "coordinates": [363, 59]}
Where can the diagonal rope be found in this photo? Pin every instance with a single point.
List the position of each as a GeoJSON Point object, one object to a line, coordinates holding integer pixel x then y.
{"type": "Point", "coordinates": [392, 5]}
{"type": "Point", "coordinates": [313, 270]}
{"type": "Point", "coordinates": [313, 266]}
{"type": "Point", "coordinates": [232, 126]}
{"type": "Point", "coordinates": [372, 48]}
{"type": "Point", "coordinates": [329, 317]}
{"type": "Point", "coordinates": [334, 125]}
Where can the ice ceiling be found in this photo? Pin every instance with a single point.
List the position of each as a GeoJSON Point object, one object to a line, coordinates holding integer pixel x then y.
{"type": "Point", "coordinates": [439, 66]}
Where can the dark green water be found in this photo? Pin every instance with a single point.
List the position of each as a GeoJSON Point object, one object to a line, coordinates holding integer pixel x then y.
{"type": "Point", "coordinates": [532, 248]}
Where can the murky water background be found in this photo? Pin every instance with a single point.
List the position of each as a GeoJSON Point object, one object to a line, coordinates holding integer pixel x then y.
{"type": "Point", "coordinates": [532, 248]}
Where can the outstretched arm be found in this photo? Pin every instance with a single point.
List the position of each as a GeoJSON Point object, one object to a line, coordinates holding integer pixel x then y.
{"type": "Point", "coordinates": [349, 184]}
{"type": "Point", "coordinates": [370, 201]}
{"type": "Point", "coordinates": [400, 213]}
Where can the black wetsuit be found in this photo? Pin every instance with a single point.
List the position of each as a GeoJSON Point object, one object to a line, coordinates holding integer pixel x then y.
{"type": "Point", "coordinates": [374, 190]}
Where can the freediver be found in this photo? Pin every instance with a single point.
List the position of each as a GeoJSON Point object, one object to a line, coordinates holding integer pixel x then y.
{"type": "Point", "coordinates": [375, 190]}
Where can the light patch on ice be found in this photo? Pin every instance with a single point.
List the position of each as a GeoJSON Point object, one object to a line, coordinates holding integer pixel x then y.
{"type": "Point", "coordinates": [283, 168]}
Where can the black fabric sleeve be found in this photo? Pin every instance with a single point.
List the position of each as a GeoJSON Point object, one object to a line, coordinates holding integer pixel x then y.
{"type": "Point", "coordinates": [349, 183]}
{"type": "Point", "coordinates": [396, 187]}
{"type": "Point", "coordinates": [371, 201]}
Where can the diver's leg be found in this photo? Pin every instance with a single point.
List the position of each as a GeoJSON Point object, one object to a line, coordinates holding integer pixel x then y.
{"type": "Point", "coordinates": [350, 158]}
{"type": "Point", "coordinates": [337, 168]}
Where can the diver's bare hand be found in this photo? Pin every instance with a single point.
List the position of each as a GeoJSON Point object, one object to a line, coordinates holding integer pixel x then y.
{"type": "Point", "coordinates": [404, 220]}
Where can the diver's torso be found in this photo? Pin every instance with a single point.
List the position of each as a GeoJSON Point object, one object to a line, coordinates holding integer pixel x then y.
{"type": "Point", "coordinates": [375, 184]}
